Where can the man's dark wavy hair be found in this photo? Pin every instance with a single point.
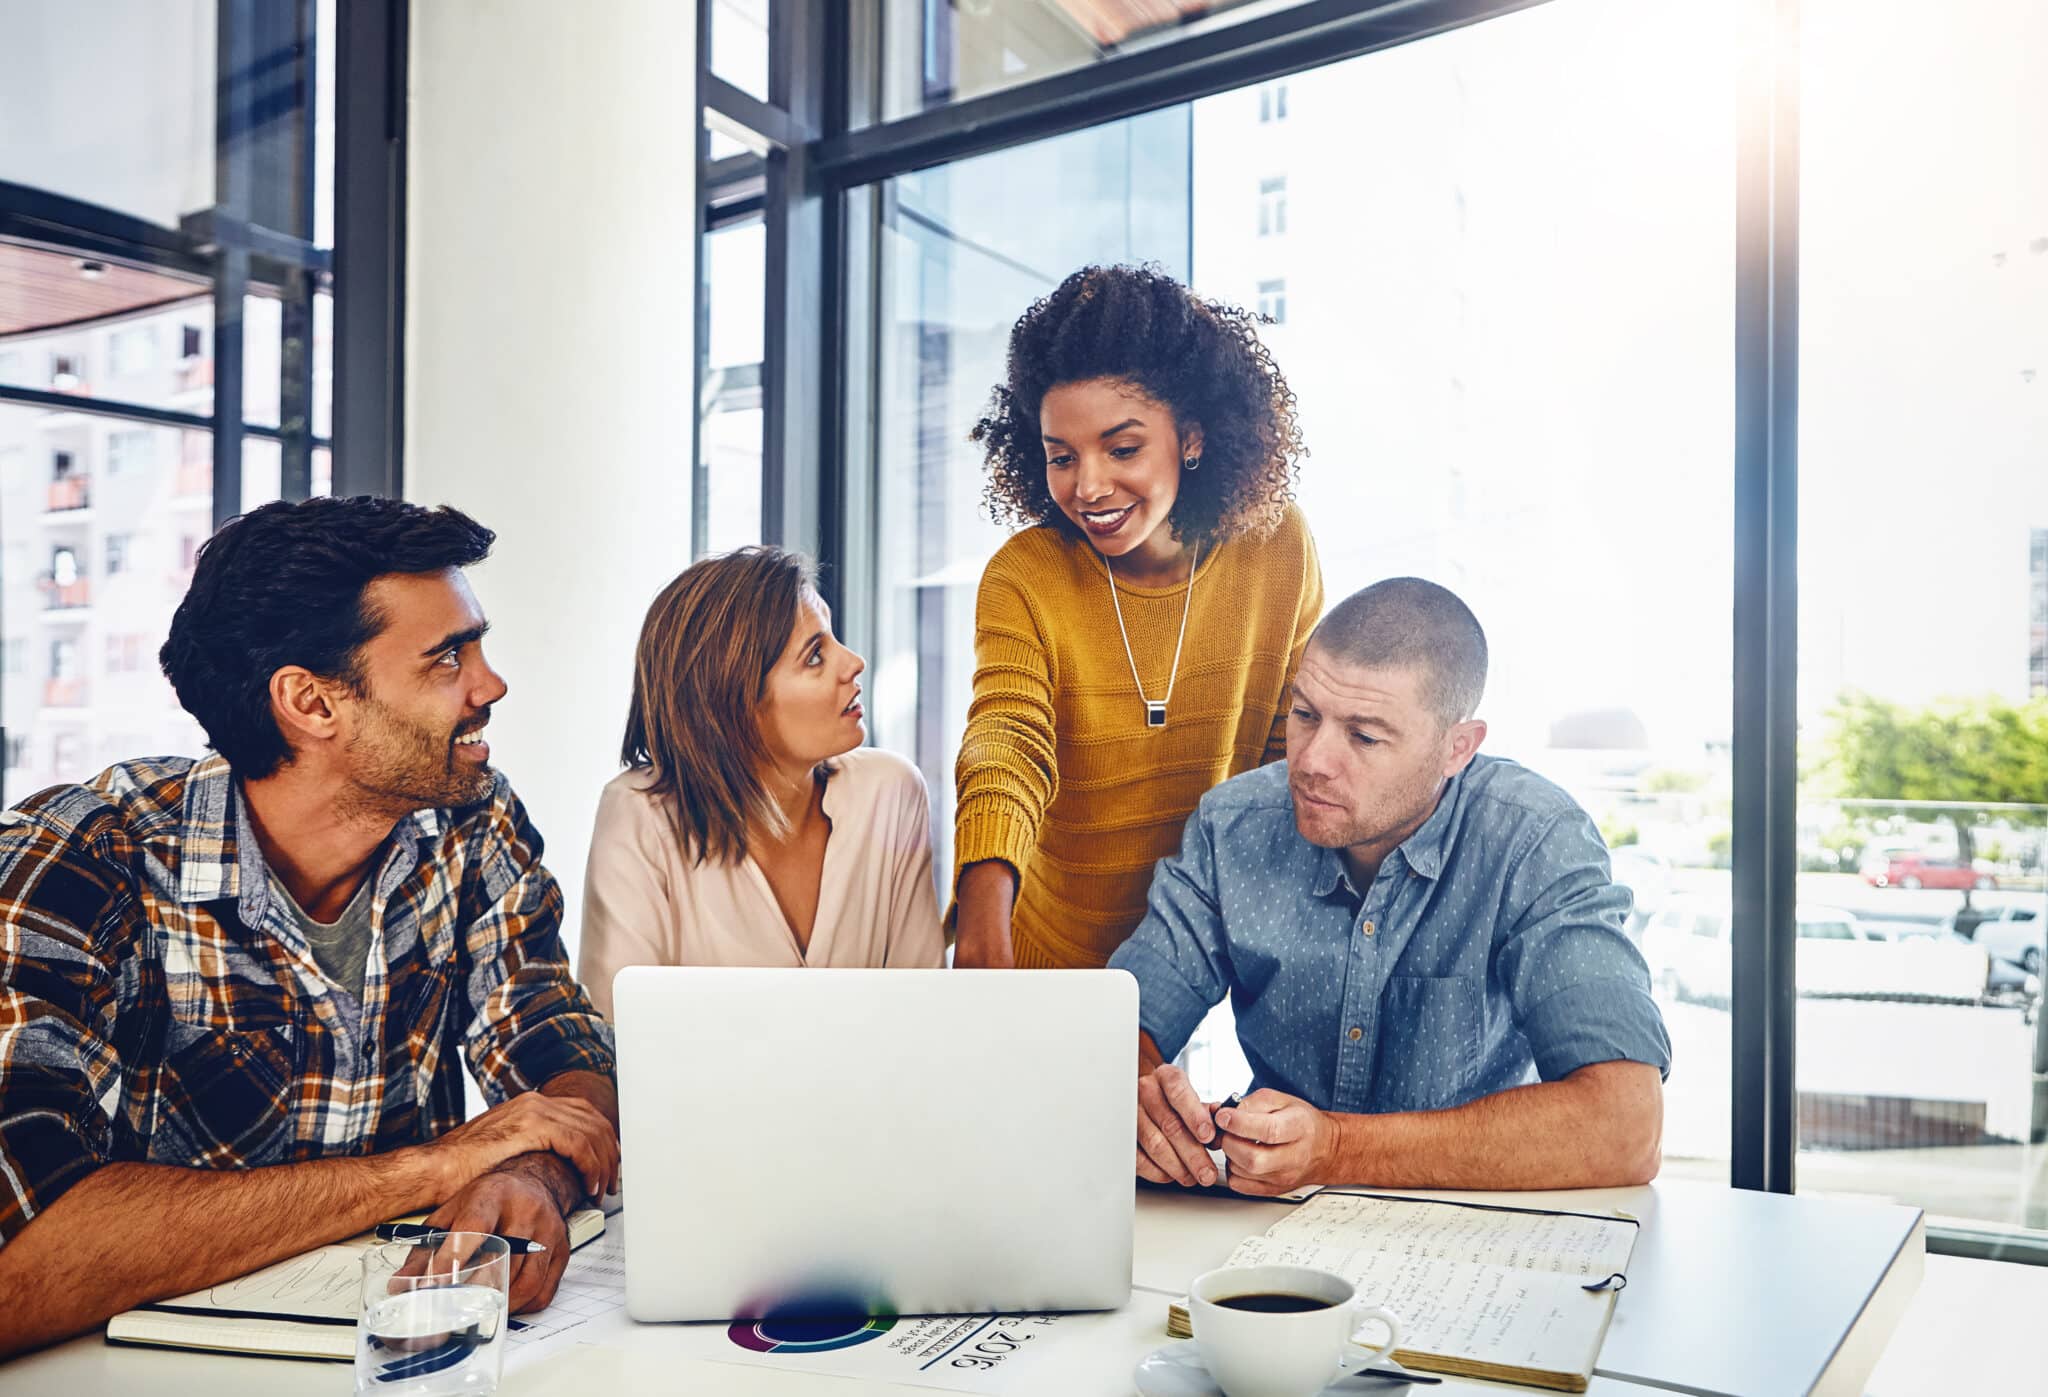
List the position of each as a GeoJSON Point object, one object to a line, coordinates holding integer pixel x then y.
{"type": "Point", "coordinates": [1203, 359]}
{"type": "Point", "coordinates": [283, 585]}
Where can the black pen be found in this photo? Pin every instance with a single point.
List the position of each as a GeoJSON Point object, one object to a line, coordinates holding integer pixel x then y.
{"type": "Point", "coordinates": [420, 1232]}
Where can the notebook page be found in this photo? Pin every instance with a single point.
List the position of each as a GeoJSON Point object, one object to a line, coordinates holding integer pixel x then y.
{"type": "Point", "coordinates": [1567, 1243]}
{"type": "Point", "coordinates": [1461, 1309]}
{"type": "Point", "coordinates": [323, 1282]}
{"type": "Point", "coordinates": [326, 1281]}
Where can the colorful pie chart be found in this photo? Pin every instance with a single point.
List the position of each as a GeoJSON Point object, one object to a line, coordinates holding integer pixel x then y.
{"type": "Point", "coordinates": [794, 1335]}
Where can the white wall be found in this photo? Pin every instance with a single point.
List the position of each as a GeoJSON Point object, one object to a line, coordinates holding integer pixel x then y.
{"type": "Point", "coordinates": [548, 355]}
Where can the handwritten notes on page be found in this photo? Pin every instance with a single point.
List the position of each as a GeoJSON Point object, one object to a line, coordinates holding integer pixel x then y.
{"type": "Point", "coordinates": [1484, 1285]}
{"type": "Point", "coordinates": [324, 1283]}
{"type": "Point", "coordinates": [1575, 1243]}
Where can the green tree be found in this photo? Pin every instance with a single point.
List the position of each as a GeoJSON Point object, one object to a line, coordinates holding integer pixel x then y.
{"type": "Point", "coordinates": [1618, 834]}
{"type": "Point", "coordinates": [1965, 750]}
{"type": "Point", "coordinates": [1667, 780]}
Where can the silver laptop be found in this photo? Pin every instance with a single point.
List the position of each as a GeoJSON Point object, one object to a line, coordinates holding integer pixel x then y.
{"type": "Point", "coordinates": [840, 1142]}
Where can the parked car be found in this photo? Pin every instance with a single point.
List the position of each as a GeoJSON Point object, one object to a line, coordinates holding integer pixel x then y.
{"type": "Point", "coordinates": [2010, 934]}
{"type": "Point", "coordinates": [1900, 869]}
{"type": "Point", "coordinates": [1687, 947]}
{"type": "Point", "coordinates": [2005, 983]}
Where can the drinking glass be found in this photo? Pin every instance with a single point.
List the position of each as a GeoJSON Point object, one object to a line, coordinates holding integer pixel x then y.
{"type": "Point", "coordinates": [432, 1322]}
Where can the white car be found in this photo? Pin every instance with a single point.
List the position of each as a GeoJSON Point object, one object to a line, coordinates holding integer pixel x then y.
{"type": "Point", "coordinates": [1686, 946]}
{"type": "Point", "coordinates": [2011, 934]}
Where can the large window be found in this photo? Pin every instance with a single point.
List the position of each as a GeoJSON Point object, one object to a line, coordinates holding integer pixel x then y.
{"type": "Point", "coordinates": [115, 109]}
{"type": "Point", "coordinates": [733, 268]}
{"type": "Point", "coordinates": [166, 341]}
{"type": "Point", "coordinates": [1923, 450]}
{"type": "Point", "coordinates": [1536, 282]}
{"type": "Point", "coordinates": [1514, 380]}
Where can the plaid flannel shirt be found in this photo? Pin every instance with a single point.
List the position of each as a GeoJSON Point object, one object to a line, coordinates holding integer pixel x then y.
{"type": "Point", "coordinates": [158, 1004]}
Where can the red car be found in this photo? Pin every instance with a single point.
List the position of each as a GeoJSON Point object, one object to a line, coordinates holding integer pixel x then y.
{"type": "Point", "coordinates": [1903, 870]}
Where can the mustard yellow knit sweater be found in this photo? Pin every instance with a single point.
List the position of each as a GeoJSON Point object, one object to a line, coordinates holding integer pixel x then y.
{"type": "Point", "coordinates": [1059, 776]}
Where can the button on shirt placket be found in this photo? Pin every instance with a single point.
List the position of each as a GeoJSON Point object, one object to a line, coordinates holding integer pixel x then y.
{"type": "Point", "coordinates": [1358, 1029]}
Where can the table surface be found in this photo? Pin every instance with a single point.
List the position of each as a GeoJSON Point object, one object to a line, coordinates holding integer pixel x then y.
{"type": "Point", "coordinates": [1729, 1292]}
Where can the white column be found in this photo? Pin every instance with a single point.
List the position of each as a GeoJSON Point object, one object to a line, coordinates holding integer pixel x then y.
{"type": "Point", "coordinates": [549, 363]}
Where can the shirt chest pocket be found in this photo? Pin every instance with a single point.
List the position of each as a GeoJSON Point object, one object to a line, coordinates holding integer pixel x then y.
{"type": "Point", "coordinates": [1431, 1030]}
{"type": "Point", "coordinates": [223, 1098]}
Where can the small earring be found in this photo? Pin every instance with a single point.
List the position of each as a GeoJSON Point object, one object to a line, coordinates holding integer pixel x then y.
{"type": "Point", "coordinates": [1191, 463]}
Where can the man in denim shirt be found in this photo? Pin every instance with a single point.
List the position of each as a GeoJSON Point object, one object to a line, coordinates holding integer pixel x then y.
{"type": "Point", "coordinates": [1423, 946]}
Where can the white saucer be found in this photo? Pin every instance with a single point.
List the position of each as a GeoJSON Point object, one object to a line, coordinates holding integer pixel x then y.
{"type": "Point", "coordinates": [1177, 1371]}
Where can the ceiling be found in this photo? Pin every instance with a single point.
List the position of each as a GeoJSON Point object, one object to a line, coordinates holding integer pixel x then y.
{"type": "Point", "coordinates": [40, 290]}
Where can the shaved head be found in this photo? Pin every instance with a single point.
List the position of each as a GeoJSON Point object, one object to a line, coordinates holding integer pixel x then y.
{"type": "Point", "coordinates": [1407, 623]}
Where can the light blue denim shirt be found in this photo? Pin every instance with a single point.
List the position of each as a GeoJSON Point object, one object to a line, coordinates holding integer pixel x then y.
{"type": "Point", "coordinates": [1489, 950]}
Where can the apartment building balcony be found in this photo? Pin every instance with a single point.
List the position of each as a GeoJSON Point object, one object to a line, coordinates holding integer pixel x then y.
{"type": "Point", "coordinates": [64, 693]}
{"type": "Point", "coordinates": [66, 596]}
{"type": "Point", "coordinates": [194, 373]}
{"type": "Point", "coordinates": [194, 480]}
{"type": "Point", "coordinates": [69, 493]}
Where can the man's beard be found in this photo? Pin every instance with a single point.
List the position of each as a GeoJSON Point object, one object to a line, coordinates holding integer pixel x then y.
{"type": "Point", "coordinates": [404, 766]}
{"type": "Point", "coordinates": [1348, 827]}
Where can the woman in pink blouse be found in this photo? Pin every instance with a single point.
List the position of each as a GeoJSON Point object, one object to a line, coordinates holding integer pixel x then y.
{"type": "Point", "coordinates": [750, 826]}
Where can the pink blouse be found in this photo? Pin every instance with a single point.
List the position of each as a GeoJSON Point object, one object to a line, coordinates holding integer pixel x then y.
{"type": "Point", "coordinates": [644, 903]}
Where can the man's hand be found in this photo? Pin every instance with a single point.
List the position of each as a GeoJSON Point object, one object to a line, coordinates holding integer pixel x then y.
{"type": "Point", "coordinates": [530, 1122]}
{"type": "Point", "coordinates": [1276, 1143]}
{"type": "Point", "coordinates": [515, 1199]}
{"type": "Point", "coordinates": [1173, 1125]}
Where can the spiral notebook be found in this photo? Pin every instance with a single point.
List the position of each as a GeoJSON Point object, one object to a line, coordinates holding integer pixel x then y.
{"type": "Point", "coordinates": [1513, 1294]}
{"type": "Point", "coordinates": [302, 1307]}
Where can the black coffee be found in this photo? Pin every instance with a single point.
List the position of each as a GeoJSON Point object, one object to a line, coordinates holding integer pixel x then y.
{"type": "Point", "coordinates": [1274, 1302]}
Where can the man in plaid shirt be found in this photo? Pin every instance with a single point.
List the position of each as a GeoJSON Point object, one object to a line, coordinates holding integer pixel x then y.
{"type": "Point", "coordinates": [234, 991]}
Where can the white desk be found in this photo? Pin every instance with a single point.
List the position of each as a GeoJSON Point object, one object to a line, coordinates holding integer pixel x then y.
{"type": "Point", "coordinates": [1731, 1294]}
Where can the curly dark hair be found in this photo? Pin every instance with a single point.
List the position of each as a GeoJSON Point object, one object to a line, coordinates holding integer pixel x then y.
{"type": "Point", "coordinates": [1202, 359]}
{"type": "Point", "coordinates": [283, 585]}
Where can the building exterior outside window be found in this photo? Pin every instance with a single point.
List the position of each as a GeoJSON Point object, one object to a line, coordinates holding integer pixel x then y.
{"type": "Point", "coordinates": [1272, 206]}
{"type": "Point", "coordinates": [103, 506]}
{"type": "Point", "coordinates": [1273, 301]}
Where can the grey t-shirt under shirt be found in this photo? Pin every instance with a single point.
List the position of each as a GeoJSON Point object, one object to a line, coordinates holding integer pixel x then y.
{"type": "Point", "coordinates": [342, 947]}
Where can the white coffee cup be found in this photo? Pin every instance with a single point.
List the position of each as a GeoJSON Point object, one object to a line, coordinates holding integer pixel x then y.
{"type": "Point", "coordinates": [1296, 1353]}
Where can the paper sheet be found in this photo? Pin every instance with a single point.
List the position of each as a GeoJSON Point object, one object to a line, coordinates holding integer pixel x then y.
{"type": "Point", "coordinates": [975, 1353]}
{"type": "Point", "coordinates": [1495, 1286]}
{"type": "Point", "coordinates": [589, 1302]}
{"type": "Point", "coordinates": [995, 1354]}
{"type": "Point", "coordinates": [325, 1282]}
{"type": "Point", "coordinates": [1568, 1243]}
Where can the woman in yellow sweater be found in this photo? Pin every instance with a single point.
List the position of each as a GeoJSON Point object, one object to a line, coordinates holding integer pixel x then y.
{"type": "Point", "coordinates": [1135, 645]}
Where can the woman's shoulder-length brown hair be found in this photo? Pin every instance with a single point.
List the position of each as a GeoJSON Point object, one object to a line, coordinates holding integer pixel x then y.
{"type": "Point", "coordinates": [699, 675]}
